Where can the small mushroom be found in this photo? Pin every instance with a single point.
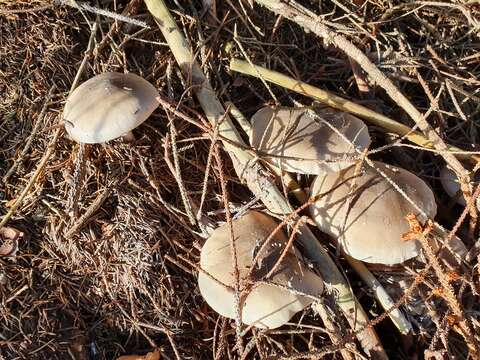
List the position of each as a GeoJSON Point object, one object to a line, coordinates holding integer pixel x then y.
{"type": "Point", "coordinates": [303, 144]}
{"type": "Point", "coordinates": [369, 219]}
{"type": "Point", "coordinates": [452, 187]}
{"type": "Point", "coordinates": [108, 106]}
{"type": "Point", "coordinates": [265, 306]}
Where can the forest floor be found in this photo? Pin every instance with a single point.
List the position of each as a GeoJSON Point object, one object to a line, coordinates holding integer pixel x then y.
{"type": "Point", "coordinates": [106, 261]}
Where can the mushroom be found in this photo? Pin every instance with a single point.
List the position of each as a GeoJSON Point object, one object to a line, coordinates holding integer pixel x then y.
{"type": "Point", "coordinates": [452, 187]}
{"type": "Point", "coordinates": [108, 106]}
{"type": "Point", "coordinates": [266, 305]}
{"type": "Point", "coordinates": [369, 218]}
{"type": "Point", "coordinates": [300, 143]}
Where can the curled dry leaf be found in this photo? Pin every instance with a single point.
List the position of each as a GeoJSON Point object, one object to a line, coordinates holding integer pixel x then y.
{"type": "Point", "coordinates": [154, 355]}
{"type": "Point", "coordinates": [9, 243]}
{"type": "Point", "coordinates": [10, 203]}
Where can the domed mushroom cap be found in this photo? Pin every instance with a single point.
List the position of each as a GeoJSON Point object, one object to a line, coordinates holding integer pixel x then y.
{"type": "Point", "coordinates": [295, 133]}
{"type": "Point", "coordinates": [266, 306]}
{"type": "Point", "coordinates": [371, 228]}
{"type": "Point", "coordinates": [107, 106]}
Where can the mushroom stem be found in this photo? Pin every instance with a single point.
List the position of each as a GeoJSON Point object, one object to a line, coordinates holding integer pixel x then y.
{"type": "Point", "coordinates": [128, 137]}
{"type": "Point", "coordinates": [398, 319]}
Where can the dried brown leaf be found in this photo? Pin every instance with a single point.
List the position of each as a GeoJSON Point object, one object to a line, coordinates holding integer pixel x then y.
{"type": "Point", "coordinates": [154, 355]}
{"type": "Point", "coordinates": [9, 243]}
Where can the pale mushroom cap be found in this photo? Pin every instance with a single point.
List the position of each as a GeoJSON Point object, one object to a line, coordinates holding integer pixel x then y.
{"type": "Point", "coordinates": [266, 306]}
{"type": "Point", "coordinates": [295, 133]}
{"type": "Point", "coordinates": [107, 106]}
{"type": "Point", "coordinates": [451, 186]}
{"type": "Point", "coordinates": [372, 227]}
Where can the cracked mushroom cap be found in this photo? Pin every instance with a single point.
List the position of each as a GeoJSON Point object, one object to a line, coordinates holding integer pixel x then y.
{"type": "Point", "coordinates": [303, 144]}
{"type": "Point", "coordinates": [370, 229]}
{"type": "Point", "coordinates": [266, 306]}
{"type": "Point", "coordinates": [108, 106]}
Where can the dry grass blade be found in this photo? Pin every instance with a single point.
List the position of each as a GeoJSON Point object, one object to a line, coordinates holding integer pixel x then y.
{"type": "Point", "coordinates": [51, 147]}
{"type": "Point", "coordinates": [97, 203]}
{"type": "Point", "coordinates": [102, 12]}
{"type": "Point", "coordinates": [34, 132]}
{"type": "Point", "coordinates": [19, 201]}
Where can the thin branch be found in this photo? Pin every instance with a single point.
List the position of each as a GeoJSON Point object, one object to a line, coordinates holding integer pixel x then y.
{"type": "Point", "coordinates": [97, 203]}
{"type": "Point", "coordinates": [233, 250]}
{"type": "Point", "coordinates": [18, 202]}
{"type": "Point", "coordinates": [51, 146]}
{"type": "Point", "coordinates": [102, 12]}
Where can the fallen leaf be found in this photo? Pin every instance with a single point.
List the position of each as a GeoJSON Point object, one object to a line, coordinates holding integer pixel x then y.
{"type": "Point", "coordinates": [9, 241]}
{"type": "Point", "coordinates": [10, 203]}
{"type": "Point", "coordinates": [155, 355]}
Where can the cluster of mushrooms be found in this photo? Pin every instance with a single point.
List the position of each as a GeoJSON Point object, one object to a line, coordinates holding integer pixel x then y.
{"type": "Point", "coordinates": [359, 208]}
{"type": "Point", "coordinates": [362, 209]}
